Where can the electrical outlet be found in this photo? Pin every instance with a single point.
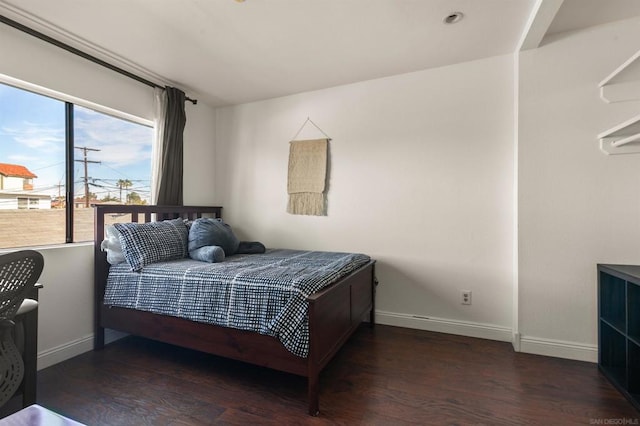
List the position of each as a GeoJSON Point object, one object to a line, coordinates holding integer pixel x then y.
{"type": "Point", "coordinates": [465, 297]}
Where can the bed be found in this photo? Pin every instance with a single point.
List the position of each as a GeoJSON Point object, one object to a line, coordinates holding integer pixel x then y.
{"type": "Point", "coordinates": [333, 313]}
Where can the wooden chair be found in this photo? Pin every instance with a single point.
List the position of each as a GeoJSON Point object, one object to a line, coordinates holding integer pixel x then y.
{"type": "Point", "coordinates": [19, 272]}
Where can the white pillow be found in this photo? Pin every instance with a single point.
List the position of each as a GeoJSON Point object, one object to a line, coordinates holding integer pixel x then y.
{"type": "Point", "coordinates": [112, 246]}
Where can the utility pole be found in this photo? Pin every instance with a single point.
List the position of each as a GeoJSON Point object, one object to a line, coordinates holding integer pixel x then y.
{"type": "Point", "coordinates": [60, 193]}
{"type": "Point", "coordinates": [86, 176]}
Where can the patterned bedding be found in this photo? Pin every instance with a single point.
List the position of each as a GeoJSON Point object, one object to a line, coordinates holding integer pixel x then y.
{"type": "Point", "coordinates": [265, 293]}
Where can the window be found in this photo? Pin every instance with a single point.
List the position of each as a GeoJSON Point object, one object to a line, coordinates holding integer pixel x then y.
{"type": "Point", "coordinates": [57, 159]}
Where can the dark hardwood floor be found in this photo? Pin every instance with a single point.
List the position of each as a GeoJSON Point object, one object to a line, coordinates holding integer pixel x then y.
{"type": "Point", "coordinates": [382, 376]}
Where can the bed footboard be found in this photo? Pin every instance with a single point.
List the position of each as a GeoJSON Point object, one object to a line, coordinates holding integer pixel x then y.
{"type": "Point", "coordinates": [334, 315]}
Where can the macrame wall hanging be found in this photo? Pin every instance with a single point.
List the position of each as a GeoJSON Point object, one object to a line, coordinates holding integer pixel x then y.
{"type": "Point", "coordinates": [307, 175]}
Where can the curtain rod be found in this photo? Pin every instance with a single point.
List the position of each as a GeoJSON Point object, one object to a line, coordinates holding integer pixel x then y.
{"type": "Point", "coordinates": [80, 53]}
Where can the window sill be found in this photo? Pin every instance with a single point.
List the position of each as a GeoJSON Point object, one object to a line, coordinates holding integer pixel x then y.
{"type": "Point", "coordinates": [46, 247]}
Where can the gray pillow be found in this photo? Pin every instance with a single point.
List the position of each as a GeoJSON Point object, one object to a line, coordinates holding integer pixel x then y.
{"type": "Point", "coordinates": [212, 232]}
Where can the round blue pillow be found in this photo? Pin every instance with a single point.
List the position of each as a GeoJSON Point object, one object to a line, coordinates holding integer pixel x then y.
{"type": "Point", "coordinates": [212, 232]}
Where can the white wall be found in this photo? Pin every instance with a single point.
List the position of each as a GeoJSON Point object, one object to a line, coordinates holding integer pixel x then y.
{"type": "Point", "coordinates": [65, 312]}
{"type": "Point", "coordinates": [37, 62]}
{"type": "Point", "coordinates": [420, 178]}
{"type": "Point", "coordinates": [12, 183]}
{"type": "Point", "coordinates": [66, 308]}
{"type": "Point", "coordinates": [577, 206]}
{"type": "Point", "coordinates": [199, 155]}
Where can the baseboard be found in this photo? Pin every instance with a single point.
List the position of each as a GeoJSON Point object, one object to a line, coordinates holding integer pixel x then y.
{"type": "Point", "coordinates": [516, 342]}
{"type": "Point", "coordinates": [524, 344]}
{"type": "Point", "coordinates": [441, 325]}
{"type": "Point", "coordinates": [61, 353]}
{"type": "Point", "coordinates": [559, 349]}
{"type": "Point", "coordinates": [76, 347]}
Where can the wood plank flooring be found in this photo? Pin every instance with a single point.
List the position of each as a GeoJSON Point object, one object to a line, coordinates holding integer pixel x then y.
{"type": "Point", "coordinates": [383, 376]}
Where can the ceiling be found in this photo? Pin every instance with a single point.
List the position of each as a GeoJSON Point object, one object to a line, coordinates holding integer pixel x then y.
{"type": "Point", "coordinates": [578, 14]}
{"type": "Point", "coordinates": [228, 52]}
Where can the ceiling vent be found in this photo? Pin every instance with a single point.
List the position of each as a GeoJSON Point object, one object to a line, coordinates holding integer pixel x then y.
{"type": "Point", "coordinates": [453, 17]}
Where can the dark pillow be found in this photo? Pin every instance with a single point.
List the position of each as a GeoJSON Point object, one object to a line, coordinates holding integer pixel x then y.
{"type": "Point", "coordinates": [146, 243]}
{"type": "Point", "coordinates": [251, 247]}
{"type": "Point", "coordinates": [212, 232]}
{"type": "Point", "coordinates": [211, 254]}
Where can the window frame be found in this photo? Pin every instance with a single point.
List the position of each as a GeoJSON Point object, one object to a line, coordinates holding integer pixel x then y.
{"type": "Point", "coordinates": [70, 102]}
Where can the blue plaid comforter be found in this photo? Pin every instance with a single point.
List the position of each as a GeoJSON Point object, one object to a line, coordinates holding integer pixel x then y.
{"type": "Point", "coordinates": [265, 293]}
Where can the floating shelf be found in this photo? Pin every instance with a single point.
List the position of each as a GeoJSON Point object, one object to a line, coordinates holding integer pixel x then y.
{"type": "Point", "coordinates": [623, 84]}
{"type": "Point", "coordinates": [622, 139]}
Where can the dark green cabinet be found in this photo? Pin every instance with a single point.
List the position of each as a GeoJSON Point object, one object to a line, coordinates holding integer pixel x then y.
{"type": "Point", "coordinates": [619, 328]}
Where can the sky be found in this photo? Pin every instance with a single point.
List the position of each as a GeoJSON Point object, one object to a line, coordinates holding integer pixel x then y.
{"type": "Point", "coordinates": [32, 134]}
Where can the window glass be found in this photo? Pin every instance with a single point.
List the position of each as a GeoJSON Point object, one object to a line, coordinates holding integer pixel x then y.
{"type": "Point", "coordinates": [32, 169]}
{"type": "Point", "coordinates": [112, 160]}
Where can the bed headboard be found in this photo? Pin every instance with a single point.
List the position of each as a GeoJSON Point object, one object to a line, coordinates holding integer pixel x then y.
{"type": "Point", "coordinates": [145, 213]}
{"type": "Point", "coordinates": [110, 213]}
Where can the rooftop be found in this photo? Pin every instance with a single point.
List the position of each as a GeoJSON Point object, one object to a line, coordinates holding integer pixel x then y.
{"type": "Point", "coordinates": [16, 170]}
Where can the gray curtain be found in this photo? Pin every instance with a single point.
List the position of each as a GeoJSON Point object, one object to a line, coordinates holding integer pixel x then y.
{"type": "Point", "coordinates": [170, 182]}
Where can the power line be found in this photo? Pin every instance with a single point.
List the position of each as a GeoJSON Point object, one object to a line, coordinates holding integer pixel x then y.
{"type": "Point", "coordinates": [49, 166]}
{"type": "Point", "coordinates": [115, 170]}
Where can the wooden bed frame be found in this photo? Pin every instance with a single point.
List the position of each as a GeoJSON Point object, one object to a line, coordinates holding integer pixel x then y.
{"type": "Point", "coordinates": [334, 312]}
